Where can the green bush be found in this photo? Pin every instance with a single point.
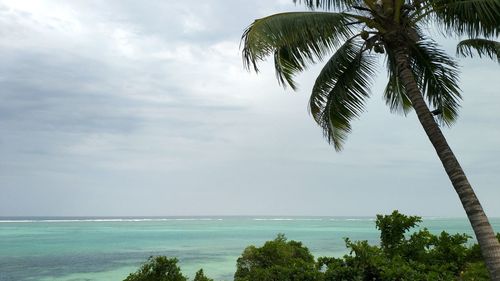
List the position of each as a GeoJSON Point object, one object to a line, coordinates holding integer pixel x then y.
{"type": "Point", "coordinates": [403, 256]}
{"type": "Point", "coordinates": [158, 268]}
{"type": "Point", "coordinates": [277, 260]}
{"type": "Point", "coordinates": [200, 276]}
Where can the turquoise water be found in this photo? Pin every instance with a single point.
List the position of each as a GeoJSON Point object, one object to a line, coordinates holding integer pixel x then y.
{"type": "Point", "coordinates": [84, 249]}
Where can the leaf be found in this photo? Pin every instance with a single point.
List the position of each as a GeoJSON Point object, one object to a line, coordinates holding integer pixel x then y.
{"type": "Point", "coordinates": [483, 47]}
{"type": "Point", "coordinates": [437, 77]}
{"type": "Point", "coordinates": [295, 40]}
{"type": "Point", "coordinates": [339, 93]}
{"type": "Point", "coordinates": [328, 4]}
{"type": "Point", "coordinates": [468, 17]}
{"type": "Point", "coordinates": [395, 92]}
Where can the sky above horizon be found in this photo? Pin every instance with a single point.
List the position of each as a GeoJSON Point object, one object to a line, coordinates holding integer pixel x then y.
{"type": "Point", "coordinates": [120, 108]}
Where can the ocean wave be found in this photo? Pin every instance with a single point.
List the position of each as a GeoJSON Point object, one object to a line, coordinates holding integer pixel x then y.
{"type": "Point", "coordinates": [107, 220]}
{"type": "Point", "coordinates": [287, 219]}
{"type": "Point", "coordinates": [352, 219]}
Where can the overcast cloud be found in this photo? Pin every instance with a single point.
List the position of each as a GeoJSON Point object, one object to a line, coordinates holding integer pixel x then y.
{"type": "Point", "coordinates": [144, 108]}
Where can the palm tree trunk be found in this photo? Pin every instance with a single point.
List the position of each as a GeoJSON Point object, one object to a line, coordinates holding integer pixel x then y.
{"type": "Point", "coordinates": [490, 247]}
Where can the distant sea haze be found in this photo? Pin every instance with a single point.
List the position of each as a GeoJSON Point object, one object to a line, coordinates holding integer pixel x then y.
{"type": "Point", "coordinates": [17, 219]}
{"type": "Point", "coordinates": [109, 248]}
{"type": "Point", "coordinates": [177, 218]}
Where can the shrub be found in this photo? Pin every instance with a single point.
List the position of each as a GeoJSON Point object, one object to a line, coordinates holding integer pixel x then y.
{"type": "Point", "coordinates": [277, 260]}
{"type": "Point", "coordinates": [158, 268]}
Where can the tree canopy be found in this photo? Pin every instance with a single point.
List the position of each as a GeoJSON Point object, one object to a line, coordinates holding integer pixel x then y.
{"type": "Point", "coordinates": [158, 268]}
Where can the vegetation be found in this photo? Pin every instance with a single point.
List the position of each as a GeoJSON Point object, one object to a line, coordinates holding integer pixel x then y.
{"type": "Point", "coordinates": [483, 47]}
{"type": "Point", "coordinates": [200, 276]}
{"type": "Point", "coordinates": [403, 254]}
{"type": "Point", "coordinates": [158, 268]}
{"type": "Point", "coordinates": [421, 75]}
{"type": "Point", "coordinates": [277, 260]}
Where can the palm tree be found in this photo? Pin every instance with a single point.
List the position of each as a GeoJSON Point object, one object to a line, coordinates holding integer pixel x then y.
{"type": "Point", "coordinates": [420, 74]}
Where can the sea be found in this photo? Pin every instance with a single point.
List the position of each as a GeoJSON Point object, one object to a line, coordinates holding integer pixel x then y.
{"type": "Point", "coordinates": [110, 248]}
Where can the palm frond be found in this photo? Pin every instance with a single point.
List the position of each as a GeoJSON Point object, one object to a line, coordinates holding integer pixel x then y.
{"type": "Point", "coordinates": [294, 39]}
{"type": "Point", "coordinates": [328, 4]}
{"type": "Point", "coordinates": [483, 47]}
{"type": "Point", "coordinates": [340, 90]}
{"type": "Point", "coordinates": [395, 92]}
{"type": "Point", "coordinates": [437, 76]}
{"type": "Point", "coordinates": [474, 18]}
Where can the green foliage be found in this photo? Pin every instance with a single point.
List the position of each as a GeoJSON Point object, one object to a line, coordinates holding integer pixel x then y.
{"type": "Point", "coordinates": [340, 91]}
{"type": "Point", "coordinates": [326, 4]}
{"type": "Point", "coordinates": [403, 256]}
{"type": "Point", "coordinates": [294, 39]}
{"type": "Point", "coordinates": [437, 77]}
{"type": "Point", "coordinates": [392, 229]}
{"type": "Point", "coordinates": [483, 47]}
{"type": "Point", "coordinates": [472, 17]}
{"type": "Point", "coordinates": [475, 272]}
{"type": "Point", "coordinates": [200, 276]}
{"type": "Point", "coordinates": [277, 260]}
{"type": "Point", "coordinates": [158, 268]}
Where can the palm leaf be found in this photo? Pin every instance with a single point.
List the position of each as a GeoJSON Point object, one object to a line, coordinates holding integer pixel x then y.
{"type": "Point", "coordinates": [340, 90]}
{"type": "Point", "coordinates": [294, 39]}
{"type": "Point", "coordinates": [468, 17]}
{"type": "Point", "coordinates": [437, 76]}
{"type": "Point", "coordinates": [483, 47]}
{"type": "Point", "coordinates": [328, 4]}
{"type": "Point", "coordinates": [395, 93]}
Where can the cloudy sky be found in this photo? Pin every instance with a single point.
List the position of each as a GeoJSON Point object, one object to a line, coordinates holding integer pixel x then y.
{"type": "Point", "coordinates": [144, 108]}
